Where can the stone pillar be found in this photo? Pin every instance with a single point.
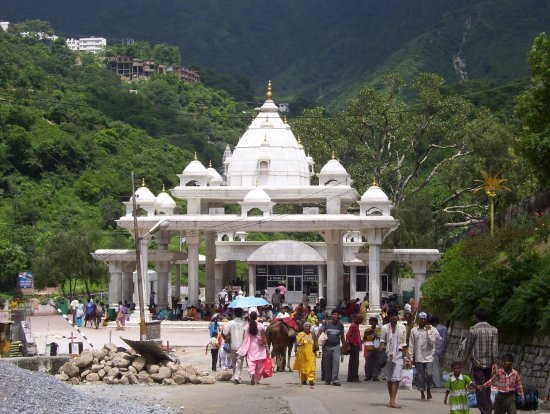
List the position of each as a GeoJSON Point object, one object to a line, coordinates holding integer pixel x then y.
{"type": "Point", "coordinates": [321, 281]}
{"type": "Point", "coordinates": [218, 277]}
{"type": "Point", "coordinates": [128, 269]}
{"type": "Point", "coordinates": [178, 282]}
{"type": "Point", "coordinates": [115, 283]}
{"type": "Point", "coordinates": [419, 268]}
{"type": "Point", "coordinates": [193, 239]}
{"type": "Point", "coordinates": [251, 280]}
{"type": "Point", "coordinates": [163, 285]}
{"type": "Point", "coordinates": [211, 292]}
{"type": "Point", "coordinates": [375, 237]}
{"type": "Point", "coordinates": [352, 282]}
{"type": "Point", "coordinates": [333, 239]}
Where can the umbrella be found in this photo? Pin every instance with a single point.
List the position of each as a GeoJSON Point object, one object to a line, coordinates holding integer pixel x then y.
{"type": "Point", "coordinates": [248, 302]}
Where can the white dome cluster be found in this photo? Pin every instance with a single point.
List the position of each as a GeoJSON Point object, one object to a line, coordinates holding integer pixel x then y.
{"type": "Point", "coordinates": [146, 200]}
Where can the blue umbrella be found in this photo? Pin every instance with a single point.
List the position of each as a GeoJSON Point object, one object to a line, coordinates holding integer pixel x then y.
{"type": "Point", "coordinates": [248, 302]}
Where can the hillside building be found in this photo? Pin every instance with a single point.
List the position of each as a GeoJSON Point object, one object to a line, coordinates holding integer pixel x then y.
{"type": "Point", "coordinates": [87, 44]}
{"type": "Point", "coordinates": [131, 69]}
{"type": "Point", "coordinates": [267, 168]}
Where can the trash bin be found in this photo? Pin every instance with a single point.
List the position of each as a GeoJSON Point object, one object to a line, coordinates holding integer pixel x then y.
{"type": "Point", "coordinates": [64, 306]}
{"type": "Point", "coordinates": [76, 348]}
{"type": "Point", "coordinates": [51, 349]}
{"type": "Point", "coordinates": [111, 314]}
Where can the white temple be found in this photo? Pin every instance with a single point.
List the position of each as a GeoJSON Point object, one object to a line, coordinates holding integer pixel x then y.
{"type": "Point", "coordinates": [269, 166]}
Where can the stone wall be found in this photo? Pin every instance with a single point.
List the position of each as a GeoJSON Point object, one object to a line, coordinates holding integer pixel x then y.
{"type": "Point", "coordinates": [50, 365]}
{"type": "Point", "coordinates": [531, 356]}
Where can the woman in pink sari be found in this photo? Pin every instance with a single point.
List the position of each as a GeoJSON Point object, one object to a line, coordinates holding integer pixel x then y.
{"type": "Point", "coordinates": [254, 348]}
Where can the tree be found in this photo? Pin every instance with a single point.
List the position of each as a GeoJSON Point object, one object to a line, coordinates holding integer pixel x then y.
{"type": "Point", "coordinates": [13, 261]}
{"type": "Point", "coordinates": [65, 259]}
{"type": "Point", "coordinates": [164, 53]}
{"type": "Point", "coordinates": [533, 109]}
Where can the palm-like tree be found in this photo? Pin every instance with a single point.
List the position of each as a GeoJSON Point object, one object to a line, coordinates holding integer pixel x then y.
{"type": "Point", "coordinates": [491, 186]}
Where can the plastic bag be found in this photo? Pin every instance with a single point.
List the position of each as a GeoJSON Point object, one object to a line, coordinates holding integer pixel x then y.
{"type": "Point", "coordinates": [472, 399]}
{"type": "Point", "coordinates": [406, 379]}
{"type": "Point", "coordinates": [322, 339]}
{"type": "Point", "coordinates": [267, 372]}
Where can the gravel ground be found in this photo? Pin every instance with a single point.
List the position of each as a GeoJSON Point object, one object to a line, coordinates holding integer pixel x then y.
{"type": "Point", "coordinates": [23, 391]}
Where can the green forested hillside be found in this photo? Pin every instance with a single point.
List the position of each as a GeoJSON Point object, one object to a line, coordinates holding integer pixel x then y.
{"type": "Point", "coordinates": [70, 135]}
{"type": "Point", "coordinates": [323, 50]}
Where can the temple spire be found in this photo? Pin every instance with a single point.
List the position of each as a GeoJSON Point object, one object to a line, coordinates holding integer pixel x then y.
{"type": "Point", "coordinates": [269, 91]}
{"type": "Point", "coordinates": [196, 156]}
{"type": "Point", "coordinates": [143, 182]}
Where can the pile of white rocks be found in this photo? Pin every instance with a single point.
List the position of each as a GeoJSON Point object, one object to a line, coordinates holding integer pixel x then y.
{"type": "Point", "coordinates": [114, 367]}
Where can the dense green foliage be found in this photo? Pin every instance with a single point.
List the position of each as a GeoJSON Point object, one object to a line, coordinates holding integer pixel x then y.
{"type": "Point", "coordinates": [70, 134]}
{"type": "Point", "coordinates": [509, 275]}
{"type": "Point", "coordinates": [322, 50]}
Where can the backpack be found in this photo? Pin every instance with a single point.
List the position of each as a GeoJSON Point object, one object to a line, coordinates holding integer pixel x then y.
{"type": "Point", "coordinates": [531, 399]}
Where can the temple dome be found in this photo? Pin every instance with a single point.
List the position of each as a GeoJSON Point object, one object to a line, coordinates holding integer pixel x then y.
{"type": "Point", "coordinates": [333, 167]}
{"type": "Point", "coordinates": [165, 203]}
{"type": "Point", "coordinates": [194, 174]}
{"type": "Point", "coordinates": [374, 194]}
{"type": "Point", "coordinates": [257, 195]}
{"type": "Point", "coordinates": [268, 151]}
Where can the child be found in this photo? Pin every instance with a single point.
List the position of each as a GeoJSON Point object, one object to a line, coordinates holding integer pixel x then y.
{"type": "Point", "coordinates": [213, 344]}
{"type": "Point", "coordinates": [508, 382]}
{"type": "Point", "coordinates": [456, 388]}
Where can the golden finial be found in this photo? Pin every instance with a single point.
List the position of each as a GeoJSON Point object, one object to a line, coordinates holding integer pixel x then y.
{"type": "Point", "coordinates": [269, 91]}
{"type": "Point", "coordinates": [286, 120]}
{"type": "Point", "coordinates": [210, 164]}
{"type": "Point", "coordinates": [299, 141]}
{"type": "Point", "coordinates": [333, 155]}
{"type": "Point", "coordinates": [375, 182]}
{"type": "Point", "coordinates": [143, 182]}
{"type": "Point", "coordinates": [163, 188]}
{"type": "Point", "coordinates": [196, 156]}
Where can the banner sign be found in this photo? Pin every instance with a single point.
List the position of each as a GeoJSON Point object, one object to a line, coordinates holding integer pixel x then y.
{"type": "Point", "coordinates": [24, 280]}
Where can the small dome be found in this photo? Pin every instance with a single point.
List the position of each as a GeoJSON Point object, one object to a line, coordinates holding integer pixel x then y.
{"type": "Point", "coordinates": [144, 195]}
{"type": "Point", "coordinates": [195, 169]}
{"type": "Point", "coordinates": [333, 167]}
{"type": "Point", "coordinates": [214, 175]}
{"type": "Point", "coordinates": [165, 201]}
{"type": "Point", "coordinates": [257, 195]}
{"type": "Point", "coordinates": [374, 194]}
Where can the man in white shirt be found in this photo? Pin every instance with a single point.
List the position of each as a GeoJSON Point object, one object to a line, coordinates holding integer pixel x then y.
{"type": "Point", "coordinates": [233, 332]}
{"type": "Point", "coordinates": [74, 305]}
{"type": "Point", "coordinates": [283, 313]}
{"type": "Point", "coordinates": [421, 351]}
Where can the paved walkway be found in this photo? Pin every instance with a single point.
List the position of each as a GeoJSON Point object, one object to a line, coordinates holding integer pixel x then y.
{"type": "Point", "coordinates": [280, 394]}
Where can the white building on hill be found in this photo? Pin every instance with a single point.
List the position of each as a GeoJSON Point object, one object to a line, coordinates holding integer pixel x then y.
{"type": "Point", "coordinates": [88, 44]}
{"type": "Point", "coordinates": [268, 167]}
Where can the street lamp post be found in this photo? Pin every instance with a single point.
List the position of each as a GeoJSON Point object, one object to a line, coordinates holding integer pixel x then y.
{"type": "Point", "coordinates": [139, 268]}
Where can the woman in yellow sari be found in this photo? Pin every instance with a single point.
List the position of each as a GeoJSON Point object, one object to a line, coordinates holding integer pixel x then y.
{"type": "Point", "coordinates": [305, 355]}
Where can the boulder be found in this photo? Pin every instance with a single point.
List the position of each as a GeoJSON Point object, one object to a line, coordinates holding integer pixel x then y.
{"type": "Point", "coordinates": [85, 359]}
{"type": "Point", "coordinates": [84, 373]}
{"type": "Point", "coordinates": [139, 363]}
{"type": "Point", "coordinates": [207, 380]}
{"type": "Point", "coordinates": [157, 377]}
{"type": "Point", "coordinates": [114, 372]}
{"type": "Point", "coordinates": [133, 378]}
{"type": "Point", "coordinates": [101, 373]}
{"type": "Point", "coordinates": [122, 360]}
{"type": "Point", "coordinates": [71, 369]}
{"type": "Point", "coordinates": [152, 369]}
{"type": "Point", "coordinates": [124, 380]}
{"type": "Point", "coordinates": [107, 368]}
{"type": "Point", "coordinates": [168, 381]}
{"type": "Point", "coordinates": [132, 370]}
{"type": "Point", "coordinates": [92, 377]}
{"type": "Point", "coordinates": [193, 379]}
{"type": "Point", "coordinates": [96, 368]}
{"type": "Point", "coordinates": [144, 378]}
{"type": "Point", "coordinates": [165, 372]}
{"type": "Point", "coordinates": [225, 375]}
{"type": "Point", "coordinates": [62, 377]}
{"type": "Point", "coordinates": [179, 377]}
{"type": "Point", "coordinates": [110, 347]}
{"type": "Point", "coordinates": [74, 381]}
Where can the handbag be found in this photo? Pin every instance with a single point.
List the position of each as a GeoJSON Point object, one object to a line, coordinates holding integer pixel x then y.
{"type": "Point", "coordinates": [267, 371]}
{"type": "Point", "coordinates": [383, 359]}
{"type": "Point", "coordinates": [472, 399]}
{"type": "Point", "coordinates": [346, 349]}
{"type": "Point", "coordinates": [322, 339]}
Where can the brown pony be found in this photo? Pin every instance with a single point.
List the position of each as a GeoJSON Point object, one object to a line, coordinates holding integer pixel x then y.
{"type": "Point", "coordinates": [282, 340]}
